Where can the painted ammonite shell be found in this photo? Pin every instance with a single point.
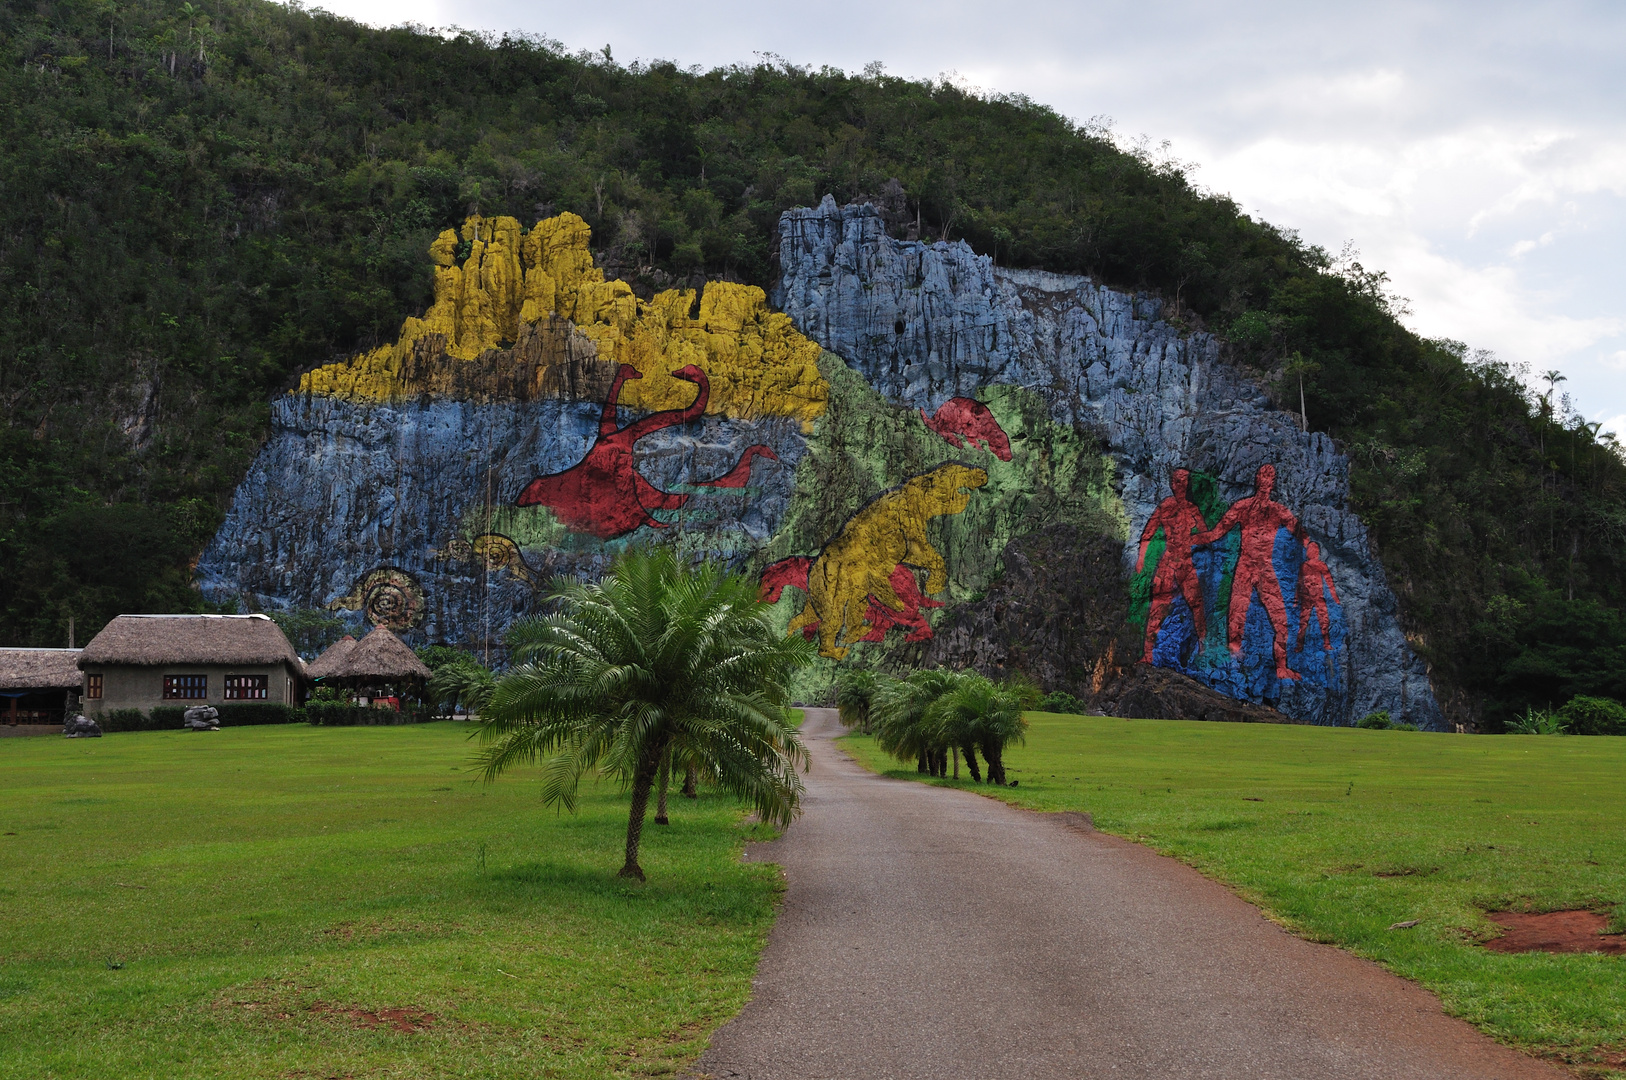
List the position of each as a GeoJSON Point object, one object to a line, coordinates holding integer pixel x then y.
{"type": "Point", "coordinates": [387, 597]}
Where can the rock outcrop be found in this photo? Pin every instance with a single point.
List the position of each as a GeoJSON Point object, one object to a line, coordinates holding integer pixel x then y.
{"type": "Point", "coordinates": [925, 458]}
{"type": "Point", "coordinates": [924, 323]}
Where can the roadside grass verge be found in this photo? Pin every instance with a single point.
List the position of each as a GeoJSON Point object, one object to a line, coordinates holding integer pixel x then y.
{"type": "Point", "coordinates": [1339, 833]}
{"type": "Point", "coordinates": [298, 901]}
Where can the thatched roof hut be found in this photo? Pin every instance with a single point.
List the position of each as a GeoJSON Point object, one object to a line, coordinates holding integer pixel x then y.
{"type": "Point", "coordinates": [380, 657]}
{"type": "Point", "coordinates": [37, 687]}
{"type": "Point", "coordinates": [148, 640]}
{"type": "Point", "coordinates": [40, 669]}
{"type": "Point", "coordinates": [326, 664]}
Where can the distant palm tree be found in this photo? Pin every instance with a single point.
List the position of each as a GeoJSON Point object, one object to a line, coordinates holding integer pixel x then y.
{"type": "Point", "coordinates": [898, 712]}
{"type": "Point", "coordinates": [855, 693]}
{"type": "Point", "coordinates": [652, 666]}
{"type": "Point", "coordinates": [976, 715]}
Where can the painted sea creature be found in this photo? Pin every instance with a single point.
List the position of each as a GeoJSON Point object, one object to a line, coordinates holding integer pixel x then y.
{"type": "Point", "coordinates": [859, 562]}
{"type": "Point", "coordinates": [495, 550]}
{"type": "Point", "coordinates": [386, 596]}
{"type": "Point", "coordinates": [964, 422]}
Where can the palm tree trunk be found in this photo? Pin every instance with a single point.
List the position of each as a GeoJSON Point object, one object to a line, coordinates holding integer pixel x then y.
{"type": "Point", "coordinates": [956, 752]}
{"type": "Point", "coordinates": [924, 765]}
{"type": "Point", "coordinates": [995, 754]}
{"type": "Point", "coordinates": [970, 753]}
{"type": "Point", "coordinates": [691, 782]}
{"type": "Point", "coordinates": [642, 781]}
{"type": "Point", "coordinates": [660, 798]}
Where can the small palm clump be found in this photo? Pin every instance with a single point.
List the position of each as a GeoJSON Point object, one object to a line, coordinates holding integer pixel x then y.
{"type": "Point", "coordinates": [656, 667]}
{"type": "Point", "coordinates": [931, 714]}
{"type": "Point", "coordinates": [855, 694]}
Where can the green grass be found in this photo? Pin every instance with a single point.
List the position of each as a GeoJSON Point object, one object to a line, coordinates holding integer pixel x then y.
{"type": "Point", "coordinates": [1355, 830]}
{"type": "Point", "coordinates": [177, 905]}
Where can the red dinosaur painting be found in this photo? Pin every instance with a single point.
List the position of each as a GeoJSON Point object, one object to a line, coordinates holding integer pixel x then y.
{"type": "Point", "coordinates": [740, 474]}
{"type": "Point", "coordinates": [603, 493]}
{"type": "Point", "coordinates": [961, 421]}
{"type": "Point", "coordinates": [793, 572]}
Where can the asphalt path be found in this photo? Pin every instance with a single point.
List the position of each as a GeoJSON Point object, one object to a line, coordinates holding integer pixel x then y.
{"type": "Point", "coordinates": [933, 933]}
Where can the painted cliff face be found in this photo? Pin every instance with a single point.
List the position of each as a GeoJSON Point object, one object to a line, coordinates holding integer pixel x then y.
{"type": "Point", "coordinates": [1217, 586]}
{"type": "Point", "coordinates": [539, 419]}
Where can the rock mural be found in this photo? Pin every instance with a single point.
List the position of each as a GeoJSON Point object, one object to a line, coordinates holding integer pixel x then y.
{"type": "Point", "coordinates": [906, 446]}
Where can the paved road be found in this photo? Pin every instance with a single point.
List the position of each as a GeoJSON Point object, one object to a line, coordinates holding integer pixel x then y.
{"type": "Point", "coordinates": [930, 933]}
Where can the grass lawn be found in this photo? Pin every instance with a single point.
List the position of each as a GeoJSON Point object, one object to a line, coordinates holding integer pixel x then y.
{"type": "Point", "coordinates": [247, 902]}
{"type": "Point", "coordinates": [1339, 833]}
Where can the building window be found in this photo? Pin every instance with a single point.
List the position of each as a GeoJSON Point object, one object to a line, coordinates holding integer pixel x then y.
{"type": "Point", "coordinates": [93, 686]}
{"type": "Point", "coordinates": [245, 687]}
{"type": "Point", "coordinates": [186, 687]}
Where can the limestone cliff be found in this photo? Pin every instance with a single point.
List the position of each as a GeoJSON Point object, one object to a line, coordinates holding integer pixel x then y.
{"type": "Point", "coordinates": [923, 456]}
{"type": "Point", "coordinates": [925, 323]}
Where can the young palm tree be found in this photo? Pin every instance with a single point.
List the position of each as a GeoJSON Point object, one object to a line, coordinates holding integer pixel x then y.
{"type": "Point", "coordinates": [977, 713]}
{"type": "Point", "coordinates": [855, 692]}
{"type": "Point", "coordinates": [467, 684]}
{"type": "Point", "coordinates": [653, 666]}
{"type": "Point", "coordinates": [898, 711]}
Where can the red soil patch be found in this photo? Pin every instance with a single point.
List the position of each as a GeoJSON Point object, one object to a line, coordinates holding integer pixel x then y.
{"type": "Point", "coordinates": [1555, 932]}
{"type": "Point", "coordinates": [399, 1019]}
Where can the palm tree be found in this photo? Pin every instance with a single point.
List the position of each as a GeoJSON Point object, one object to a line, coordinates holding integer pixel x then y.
{"type": "Point", "coordinates": [467, 684]}
{"type": "Point", "coordinates": [898, 711]}
{"type": "Point", "coordinates": [855, 693]}
{"type": "Point", "coordinates": [979, 715]}
{"type": "Point", "coordinates": [652, 666]}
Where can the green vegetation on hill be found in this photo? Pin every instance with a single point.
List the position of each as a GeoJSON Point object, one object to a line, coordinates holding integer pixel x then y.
{"type": "Point", "coordinates": [200, 204]}
{"type": "Point", "coordinates": [238, 903]}
{"type": "Point", "coordinates": [1342, 833]}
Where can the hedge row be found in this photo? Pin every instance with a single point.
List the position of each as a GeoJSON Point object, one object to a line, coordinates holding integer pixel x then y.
{"type": "Point", "coordinates": [324, 713]}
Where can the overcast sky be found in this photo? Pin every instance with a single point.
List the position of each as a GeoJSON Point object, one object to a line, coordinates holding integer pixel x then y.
{"type": "Point", "coordinates": [1475, 151]}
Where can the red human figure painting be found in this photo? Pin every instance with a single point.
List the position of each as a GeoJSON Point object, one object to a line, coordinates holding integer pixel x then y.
{"type": "Point", "coordinates": [962, 420]}
{"type": "Point", "coordinates": [793, 572]}
{"type": "Point", "coordinates": [1312, 575]}
{"type": "Point", "coordinates": [1179, 518]}
{"type": "Point", "coordinates": [740, 474]}
{"type": "Point", "coordinates": [603, 493]}
{"type": "Point", "coordinates": [1259, 517]}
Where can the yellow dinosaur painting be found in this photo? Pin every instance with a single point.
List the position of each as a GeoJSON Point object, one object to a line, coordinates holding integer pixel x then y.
{"type": "Point", "coordinates": [858, 563]}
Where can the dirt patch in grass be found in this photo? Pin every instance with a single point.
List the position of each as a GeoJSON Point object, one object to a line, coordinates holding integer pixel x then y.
{"type": "Point", "coordinates": [400, 1019]}
{"type": "Point", "coordinates": [1554, 932]}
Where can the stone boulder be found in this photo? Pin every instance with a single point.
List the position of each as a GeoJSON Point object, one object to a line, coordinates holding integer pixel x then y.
{"type": "Point", "coordinates": [82, 727]}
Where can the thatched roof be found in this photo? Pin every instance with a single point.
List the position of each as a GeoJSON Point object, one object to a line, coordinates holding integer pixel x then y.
{"type": "Point", "coordinates": [39, 669]}
{"type": "Point", "coordinates": [328, 662]}
{"type": "Point", "coordinates": [379, 656]}
{"type": "Point", "coordinates": [190, 639]}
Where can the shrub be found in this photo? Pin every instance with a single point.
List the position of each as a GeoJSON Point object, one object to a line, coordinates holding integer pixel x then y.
{"type": "Point", "coordinates": [1060, 701]}
{"type": "Point", "coordinates": [1377, 721]}
{"type": "Point", "coordinates": [165, 718]}
{"type": "Point", "coordinates": [246, 714]}
{"type": "Point", "coordinates": [122, 720]}
{"type": "Point", "coordinates": [1538, 722]}
{"type": "Point", "coordinates": [1594, 716]}
{"type": "Point", "coordinates": [344, 714]}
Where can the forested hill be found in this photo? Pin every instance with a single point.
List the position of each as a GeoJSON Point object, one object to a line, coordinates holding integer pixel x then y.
{"type": "Point", "coordinates": [200, 204]}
